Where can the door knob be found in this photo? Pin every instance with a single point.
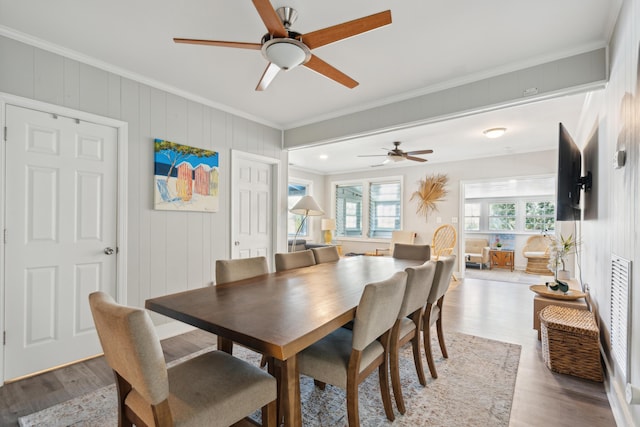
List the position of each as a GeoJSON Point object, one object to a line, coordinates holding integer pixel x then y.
{"type": "Point", "coordinates": [236, 243]}
{"type": "Point", "coordinates": [109, 251]}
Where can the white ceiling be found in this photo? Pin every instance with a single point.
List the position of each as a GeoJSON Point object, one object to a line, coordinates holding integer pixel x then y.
{"type": "Point", "coordinates": [430, 44]}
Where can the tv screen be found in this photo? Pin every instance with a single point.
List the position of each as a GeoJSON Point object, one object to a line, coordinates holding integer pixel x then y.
{"type": "Point", "coordinates": [568, 184]}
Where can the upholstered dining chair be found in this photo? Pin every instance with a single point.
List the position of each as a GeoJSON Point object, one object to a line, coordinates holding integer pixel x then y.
{"type": "Point", "coordinates": [325, 254]}
{"type": "Point", "coordinates": [433, 310]}
{"type": "Point", "coordinates": [290, 260]}
{"type": "Point", "coordinates": [346, 357]}
{"type": "Point", "coordinates": [417, 252]}
{"type": "Point", "coordinates": [232, 270]}
{"type": "Point", "coordinates": [212, 389]}
{"type": "Point", "coordinates": [409, 324]}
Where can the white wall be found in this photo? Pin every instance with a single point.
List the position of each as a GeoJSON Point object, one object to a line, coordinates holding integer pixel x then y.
{"type": "Point", "coordinates": [536, 164]}
{"type": "Point", "coordinates": [168, 251]}
{"type": "Point", "coordinates": [610, 226]}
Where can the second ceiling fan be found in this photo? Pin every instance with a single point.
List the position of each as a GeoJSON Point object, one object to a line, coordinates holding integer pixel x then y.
{"type": "Point", "coordinates": [286, 49]}
{"type": "Point", "coordinates": [396, 154]}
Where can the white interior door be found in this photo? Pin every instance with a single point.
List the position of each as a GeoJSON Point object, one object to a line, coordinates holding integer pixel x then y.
{"type": "Point", "coordinates": [61, 210]}
{"type": "Point", "coordinates": [252, 208]}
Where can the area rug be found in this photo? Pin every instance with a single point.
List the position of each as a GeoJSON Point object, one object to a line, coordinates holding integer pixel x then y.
{"type": "Point", "coordinates": [474, 388]}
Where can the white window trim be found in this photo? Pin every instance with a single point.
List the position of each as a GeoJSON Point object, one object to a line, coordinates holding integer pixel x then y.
{"type": "Point", "coordinates": [365, 205]}
{"type": "Point", "coordinates": [520, 213]}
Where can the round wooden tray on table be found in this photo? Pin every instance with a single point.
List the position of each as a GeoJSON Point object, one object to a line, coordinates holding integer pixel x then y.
{"type": "Point", "coordinates": [544, 291]}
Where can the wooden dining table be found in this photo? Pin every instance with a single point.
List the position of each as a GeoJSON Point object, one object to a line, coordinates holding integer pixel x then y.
{"type": "Point", "coordinates": [280, 314]}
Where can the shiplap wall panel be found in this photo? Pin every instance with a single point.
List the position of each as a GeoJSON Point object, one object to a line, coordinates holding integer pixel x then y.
{"type": "Point", "coordinates": [168, 251]}
{"type": "Point", "coordinates": [48, 78]}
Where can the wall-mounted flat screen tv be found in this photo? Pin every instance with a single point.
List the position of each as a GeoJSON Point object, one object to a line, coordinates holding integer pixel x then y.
{"type": "Point", "coordinates": [569, 183]}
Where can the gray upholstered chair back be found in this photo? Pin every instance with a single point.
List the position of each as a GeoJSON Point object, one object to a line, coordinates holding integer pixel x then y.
{"type": "Point", "coordinates": [131, 346]}
{"type": "Point", "coordinates": [230, 270]}
{"type": "Point", "coordinates": [325, 254]}
{"type": "Point", "coordinates": [417, 252]}
{"type": "Point", "coordinates": [419, 282]}
{"type": "Point", "coordinates": [378, 309]}
{"type": "Point", "coordinates": [287, 261]}
{"type": "Point", "coordinates": [442, 278]}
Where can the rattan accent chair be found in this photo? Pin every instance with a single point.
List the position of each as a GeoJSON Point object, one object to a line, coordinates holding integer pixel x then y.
{"type": "Point", "coordinates": [536, 251]}
{"type": "Point", "coordinates": [212, 389]}
{"type": "Point", "coordinates": [409, 324]}
{"type": "Point", "coordinates": [346, 357]}
{"type": "Point", "coordinates": [290, 260]}
{"type": "Point", "coordinates": [433, 311]}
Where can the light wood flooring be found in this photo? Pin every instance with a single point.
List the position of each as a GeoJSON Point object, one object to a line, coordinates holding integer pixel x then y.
{"type": "Point", "coordinates": [490, 309]}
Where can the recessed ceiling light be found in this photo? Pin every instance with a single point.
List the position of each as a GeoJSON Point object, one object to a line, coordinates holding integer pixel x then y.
{"type": "Point", "coordinates": [494, 132]}
{"type": "Point", "coordinates": [324, 156]}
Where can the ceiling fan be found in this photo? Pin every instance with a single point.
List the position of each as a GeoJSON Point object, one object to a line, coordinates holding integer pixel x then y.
{"type": "Point", "coordinates": [286, 49]}
{"type": "Point", "coordinates": [396, 154]}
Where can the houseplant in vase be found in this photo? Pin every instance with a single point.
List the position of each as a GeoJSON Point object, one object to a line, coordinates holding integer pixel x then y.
{"type": "Point", "coordinates": [559, 250]}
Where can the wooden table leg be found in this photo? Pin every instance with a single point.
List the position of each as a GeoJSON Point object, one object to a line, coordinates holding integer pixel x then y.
{"type": "Point", "coordinates": [289, 408]}
{"type": "Point", "coordinates": [225, 344]}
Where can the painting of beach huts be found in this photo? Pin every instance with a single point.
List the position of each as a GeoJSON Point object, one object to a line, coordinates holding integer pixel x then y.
{"type": "Point", "coordinates": [186, 178]}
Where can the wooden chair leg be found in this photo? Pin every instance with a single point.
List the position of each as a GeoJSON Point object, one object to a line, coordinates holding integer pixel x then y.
{"type": "Point", "coordinates": [123, 388]}
{"type": "Point", "coordinates": [417, 360]}
{"type": "Point", "coordinates": [320, 384]}
{"type": "Point", "coordinates": [384, 389]}
{"type": "Point", "coordinates": [394, 356]}
{"type": "Point", "coordinates": [270, 414]}
{"type": "Point", "coordinates": [263, 361]}
{"type": "Point", "coordinates": [426, 328]}
{"type": "Point", "coordinates": [443, 347]}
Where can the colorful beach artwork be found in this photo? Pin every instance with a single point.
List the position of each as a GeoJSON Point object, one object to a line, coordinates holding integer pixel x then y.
{"type": "Point", "coordinates": [185, 178]}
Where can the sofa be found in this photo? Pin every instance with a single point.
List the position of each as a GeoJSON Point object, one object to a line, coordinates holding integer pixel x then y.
{"type": "Point", "coordinates": [476, 252]}
{"type": "Point", "coordinates": [302, 244]}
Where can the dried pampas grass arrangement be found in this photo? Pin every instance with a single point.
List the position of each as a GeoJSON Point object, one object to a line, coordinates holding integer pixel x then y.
{"type": "Point", "coordinates": [431, 190]}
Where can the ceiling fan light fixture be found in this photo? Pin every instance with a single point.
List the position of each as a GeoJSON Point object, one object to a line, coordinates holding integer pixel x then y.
{"type": "Point", "coordinates": [286, 53]}
{"type": "Point", "coordinates": [395, 157]}
{"type": "Point", "coordinates": [494, 132]}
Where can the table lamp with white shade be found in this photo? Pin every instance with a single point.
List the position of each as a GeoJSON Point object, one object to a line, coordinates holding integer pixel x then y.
{"type": "Point", "coordinates": [307, 207]}
{"type": "Point", "coordinates": [328, 225]}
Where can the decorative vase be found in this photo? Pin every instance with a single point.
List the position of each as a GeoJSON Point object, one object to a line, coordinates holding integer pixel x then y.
{"type": "Point", "coordinates": [563, 275]}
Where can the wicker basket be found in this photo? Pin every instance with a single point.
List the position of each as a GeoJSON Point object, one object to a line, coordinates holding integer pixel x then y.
{"type": "Point", "coordinates": [570, 342]}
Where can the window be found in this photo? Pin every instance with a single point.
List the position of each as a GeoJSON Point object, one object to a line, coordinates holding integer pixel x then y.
{"type": "Point", "coordinates": [368, 209]}
{"type": "Point", "coordinates": [384, 209]}
{"type": "Point", "coordinates": [472, 216]}
{"type": "Point", "coordinates": [540, 216]}
{"type": "Point", "coordinates": [349, 210]}
{"type": "Point", "coordinates": [295, 192]}
{"type": "Point", "coordinates": [502, 216]}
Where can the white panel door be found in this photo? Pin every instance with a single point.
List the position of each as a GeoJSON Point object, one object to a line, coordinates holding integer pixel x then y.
{"type": "Point", "coordinates": [252, 236]}
{"type": "Point", "coordinates": [61, 201]}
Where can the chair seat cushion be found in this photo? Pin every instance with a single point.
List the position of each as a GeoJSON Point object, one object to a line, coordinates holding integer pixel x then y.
{"type": "Point", "coordinates": [534, 254]}
{"type": "Point", "coordinates": [328, 359]}
{"type": "Point", "coordinates": [406, 326]}
{"type": "Point", "coordinates": [213, 389]}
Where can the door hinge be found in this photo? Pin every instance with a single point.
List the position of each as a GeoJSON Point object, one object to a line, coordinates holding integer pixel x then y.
{"type": "Point", "coordinates": [6, 234]}
{"type": "Point", "coordinates": [4, 337]}
{"type": "Point", "coordinates": [5, 134]}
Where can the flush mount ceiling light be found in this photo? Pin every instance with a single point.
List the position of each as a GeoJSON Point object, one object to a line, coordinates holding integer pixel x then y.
{"type": "Point", "coordinates": [494, 132]}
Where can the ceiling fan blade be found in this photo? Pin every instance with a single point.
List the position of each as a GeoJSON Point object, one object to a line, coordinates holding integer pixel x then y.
{"type": "Point", "coordinates": [411, 153]}
{"type": "Point", "coordinates": [345, 30]}
{"type": "Point", "coordinates": [372, 155]}
{"type": "Point", "coordinates": [269, 74]}
{"type": "Point", "coordinates": [270, 18]}
{"type": "Point", "coordinates": [241, 45]}
{"type": "Point", "coordinates": [319, 66]}
{"type": "Point", "coordinates": [415, 159]}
